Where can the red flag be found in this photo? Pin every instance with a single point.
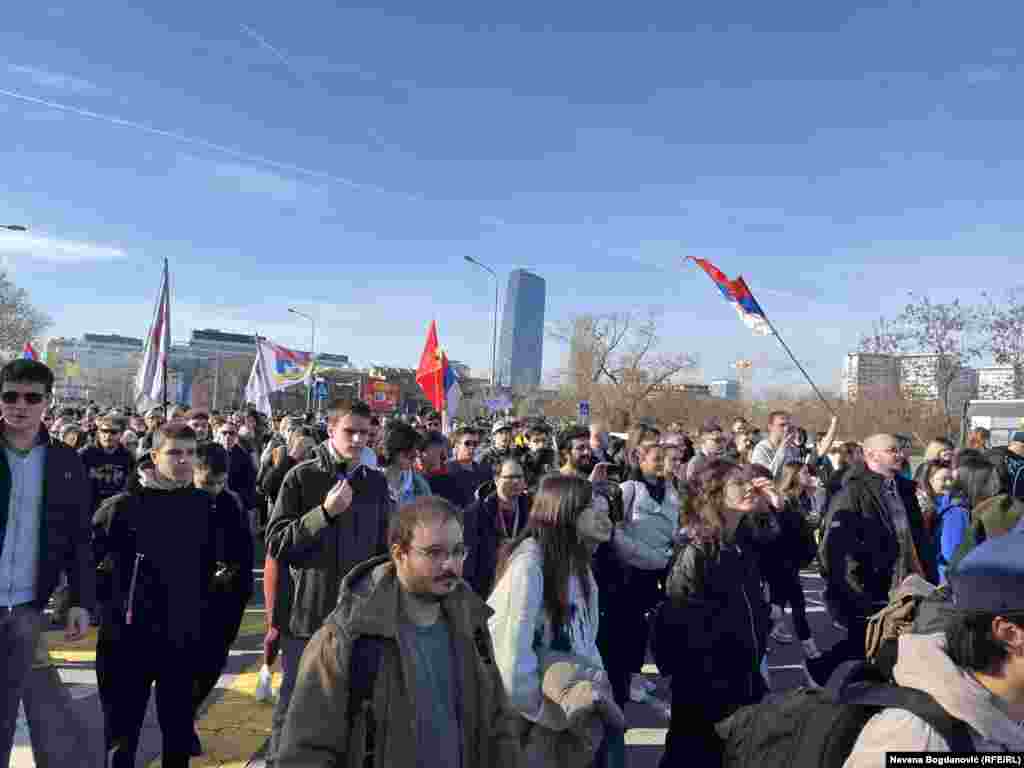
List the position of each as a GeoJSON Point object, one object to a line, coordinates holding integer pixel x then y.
{"type": "Point", "coordinates": [430, 374]}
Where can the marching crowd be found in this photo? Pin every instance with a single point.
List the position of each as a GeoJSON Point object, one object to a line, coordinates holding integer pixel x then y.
{"type": "Point", "coordinates": [487, 597]}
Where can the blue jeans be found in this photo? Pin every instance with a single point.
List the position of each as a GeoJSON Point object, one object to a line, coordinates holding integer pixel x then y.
{"type": "Point", "coordinates": [19, 633]}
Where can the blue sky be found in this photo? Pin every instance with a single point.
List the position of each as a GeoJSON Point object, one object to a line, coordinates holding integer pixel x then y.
{"type": "Point", "coordinates": [343, 160]}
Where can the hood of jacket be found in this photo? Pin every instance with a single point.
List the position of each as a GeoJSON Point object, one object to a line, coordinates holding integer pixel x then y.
{"type": "Point", "coordinates": [924, 664]}
{"type": "Point", "coordinates": [370, 602]}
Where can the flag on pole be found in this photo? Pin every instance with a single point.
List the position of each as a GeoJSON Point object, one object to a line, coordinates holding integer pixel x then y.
{"type": "Point", "coordinates": [276, 368]}
{"type": "Point", "coordinates": [739, 296]}
{"type": "Point", "coordinates": [430, 374]}
{"type": "Point", "coordinates": [149, 381]}
{"type": "Point", "coordinates": [436, 377]}
{"type": "Point", "coordinates": [258, 389]}
{"type": "Point", "coordinates": [29, 352]}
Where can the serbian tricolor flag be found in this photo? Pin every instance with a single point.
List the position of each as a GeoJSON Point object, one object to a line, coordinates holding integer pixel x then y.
{"type": "Point", "coordinates": [436, 377]}
{"type": "Point", "coordinates": [737, 293]}
{"type": "Point", "coordinates": [29, 352]}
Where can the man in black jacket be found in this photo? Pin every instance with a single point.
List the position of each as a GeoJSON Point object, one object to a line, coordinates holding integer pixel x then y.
{"type": "Point", "coordinates": [492, 522]}
{"type": "Point", "coordinates": [872, 538]}
{"type": "Point", "coordinates": [233, 578]}
{"type": "Point", "coordinates": [241, 470]}
{"type": "Point", "coordinates": [331, 514]}
{"type": "Point", "coordinates": [108, 464]}
{"type": "Point", "coordinates": [44, 529]}
{"type": "Point", "coordinates": [157, 559]}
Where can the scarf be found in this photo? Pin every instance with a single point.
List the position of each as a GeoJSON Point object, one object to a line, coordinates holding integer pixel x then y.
{"type": "Point", "coordinates": [150, 478]}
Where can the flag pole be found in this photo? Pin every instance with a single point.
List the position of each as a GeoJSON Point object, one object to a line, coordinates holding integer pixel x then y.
{"type": "Point", "coordinates": [167, 352]}
{"type": "Point", "coordinates": [796, 362]}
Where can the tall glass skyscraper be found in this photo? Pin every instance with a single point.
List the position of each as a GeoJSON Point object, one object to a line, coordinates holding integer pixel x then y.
{"type": "Point", "coordinates": [522, 331]}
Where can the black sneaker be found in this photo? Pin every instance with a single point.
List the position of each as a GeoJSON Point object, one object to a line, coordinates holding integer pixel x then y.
{"type": "Point", "coordinates": [196, 748]}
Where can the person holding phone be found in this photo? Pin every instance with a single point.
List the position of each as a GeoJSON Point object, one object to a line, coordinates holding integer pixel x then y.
{"type": "Point", "coordinates": [331, 514]}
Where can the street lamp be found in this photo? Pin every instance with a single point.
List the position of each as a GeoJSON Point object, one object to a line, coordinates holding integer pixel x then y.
{"type": "Point", "coordinates": [312, 354]}
{"type": "Point", "coordinates": [494, 322]}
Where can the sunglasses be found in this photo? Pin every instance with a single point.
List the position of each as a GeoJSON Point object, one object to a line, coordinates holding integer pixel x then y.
{"type": "Point", "coordinates": [227, 433]}
{"type": "Point", "coordinates": [31, 398]}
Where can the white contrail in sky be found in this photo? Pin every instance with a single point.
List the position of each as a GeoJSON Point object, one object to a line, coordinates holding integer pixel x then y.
{"type": "Point", "coordinates": [263, 43]}
{"type": "Point", "coordinates": [195, 141]}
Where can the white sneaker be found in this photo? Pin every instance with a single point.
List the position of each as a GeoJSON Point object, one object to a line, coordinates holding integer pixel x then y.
{"type": "Point", "coordinates": [810, 648]}
{"type": "Point", "coordinates": [638, 693]}
{"type": "Point", "coordinates": [265, 688]}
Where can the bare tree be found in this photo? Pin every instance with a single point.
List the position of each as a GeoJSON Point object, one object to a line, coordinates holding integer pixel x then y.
{"type": "Point", "coordinates": [949, 333]}
{"type": "Point", "coordinates": [614, 360]}
{"type": "Point", "coordinates": [885, 338]}
{"type": "Point", "coordinates": [20, 321]}
{"type": "Point", "coordinates": [1003, 325]}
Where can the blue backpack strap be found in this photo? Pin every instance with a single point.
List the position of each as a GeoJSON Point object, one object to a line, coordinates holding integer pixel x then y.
{"type": "Point", "coordinates": [882, 696]}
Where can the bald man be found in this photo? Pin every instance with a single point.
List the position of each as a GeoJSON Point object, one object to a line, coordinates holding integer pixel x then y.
{"type": "Point", "coordinates": [872, 539]}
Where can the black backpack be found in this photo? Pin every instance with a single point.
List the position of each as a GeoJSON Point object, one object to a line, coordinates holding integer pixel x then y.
{"type": "Point", "coordinates": [812, 728]}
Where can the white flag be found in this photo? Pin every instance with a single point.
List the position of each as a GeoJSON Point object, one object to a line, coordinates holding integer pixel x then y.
{"type": "Point", "coordinates": [258, 390]}
{"type": "Point", "coordinates": [149, 381]}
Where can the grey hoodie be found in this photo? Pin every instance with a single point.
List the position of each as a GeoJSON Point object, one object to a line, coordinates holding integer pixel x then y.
{"type": "Point", "coordinates": [923, 664]}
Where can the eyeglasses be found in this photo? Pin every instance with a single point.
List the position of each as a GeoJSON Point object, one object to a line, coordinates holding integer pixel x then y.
{"type": "Point", "coordinates": [228, 433]}
{"type": "Point", "coordinates": [110, 431]}
{"type": "Point", "coordinates": [471, 444]}
{"type": "Point", "coordinates": [437, 555]}
{"type": "Point", "coordinates": [30, 398]}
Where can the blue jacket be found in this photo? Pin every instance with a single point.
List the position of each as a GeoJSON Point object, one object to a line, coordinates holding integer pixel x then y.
{"type": "Point", "coordinates": [951, 521]}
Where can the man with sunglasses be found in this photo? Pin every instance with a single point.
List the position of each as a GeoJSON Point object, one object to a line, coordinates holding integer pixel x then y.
{"type": "Point", "coordinates": [467, 474]}
{"type": "Point", "coordinates": [331, 513]}
{"type": "Point", "coordinates": [108, 464]}
{"type": "Point", "coordinates": [44, 529]}
{"type": "Point", "coordinates": [872, 538]}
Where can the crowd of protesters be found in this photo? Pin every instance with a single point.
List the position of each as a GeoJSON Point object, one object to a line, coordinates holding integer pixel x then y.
{"type": "Point", "coordinates": [489, 595]}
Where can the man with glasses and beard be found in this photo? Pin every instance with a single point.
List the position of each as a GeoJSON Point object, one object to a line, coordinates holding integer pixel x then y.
{"type": "Point", "coordinates": [108, 464]}
{"type": "Point", "coordinates": [44, 529]}
{"type": "Point", "coordinates": [408, 647]}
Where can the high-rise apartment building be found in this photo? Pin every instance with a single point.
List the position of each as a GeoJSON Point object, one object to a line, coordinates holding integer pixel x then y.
{"type": "Point", "coordinates": [522, 331]}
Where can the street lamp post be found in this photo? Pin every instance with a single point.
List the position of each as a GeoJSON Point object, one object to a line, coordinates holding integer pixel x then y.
{"type": "Point", "coordinates": [494, 323]}
{"type": "Point", "coordinates": [312, 354]}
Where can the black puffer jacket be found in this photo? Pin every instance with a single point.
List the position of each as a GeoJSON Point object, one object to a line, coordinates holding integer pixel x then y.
{"type": "Point", "coordinates": [713, 630]}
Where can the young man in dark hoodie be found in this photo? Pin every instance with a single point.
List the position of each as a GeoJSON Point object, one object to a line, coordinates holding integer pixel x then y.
{"type": "Point", "coordinates": [156, 559]}
{"type": "Point", "coordinates": [108, 464]}
{"type": "Point", "coordinates": [232, 583]}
